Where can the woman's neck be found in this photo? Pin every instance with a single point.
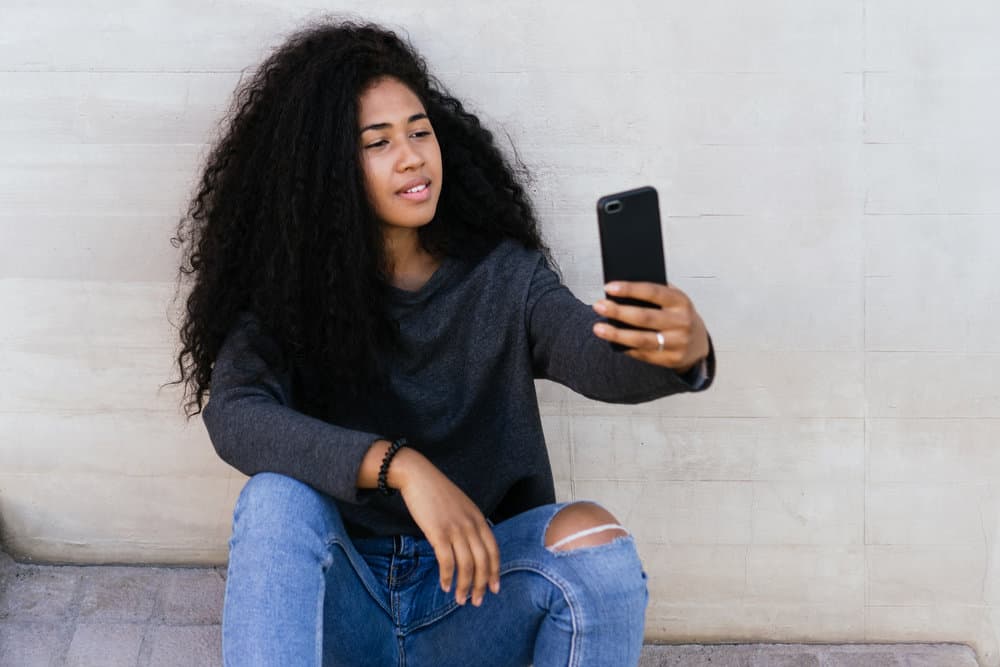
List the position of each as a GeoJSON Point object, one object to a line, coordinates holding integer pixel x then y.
{"type": "Point", "coordinates": [411, 265]}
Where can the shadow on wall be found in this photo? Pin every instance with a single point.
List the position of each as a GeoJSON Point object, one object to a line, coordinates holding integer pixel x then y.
{"type": "Point", "coordinates": [5, 559]}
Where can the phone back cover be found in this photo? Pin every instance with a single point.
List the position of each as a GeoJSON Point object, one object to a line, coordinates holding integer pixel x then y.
{"type": "Point", "coordinates": [631, 240]}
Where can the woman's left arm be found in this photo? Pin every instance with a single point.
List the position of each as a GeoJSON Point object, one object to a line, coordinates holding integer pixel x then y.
{"type": "Point", "coordinates": [566, 347]}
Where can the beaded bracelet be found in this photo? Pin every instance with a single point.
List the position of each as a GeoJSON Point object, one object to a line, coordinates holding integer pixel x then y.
{"type": "Point", "coordinates": [384, 470]}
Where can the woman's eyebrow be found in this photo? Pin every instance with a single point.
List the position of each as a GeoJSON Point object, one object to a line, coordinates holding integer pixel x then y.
{"type": "Point", "coordinates": [386, 126]}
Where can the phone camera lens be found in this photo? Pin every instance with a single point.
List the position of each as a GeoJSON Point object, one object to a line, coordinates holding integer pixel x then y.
{"type": "Point", "coordinates": [613, 206]}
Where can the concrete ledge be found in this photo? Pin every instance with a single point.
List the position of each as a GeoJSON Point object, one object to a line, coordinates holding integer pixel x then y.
{"type": "Point", "coordinates": [808, 655]}
{"type": "Point", "coordinates": [139, 616]}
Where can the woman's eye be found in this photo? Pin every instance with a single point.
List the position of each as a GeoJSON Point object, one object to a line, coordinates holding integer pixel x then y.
{"type": "Point", "coordinates": [422, 133]}
{"type": "Point", "coordinates": [381, 142]}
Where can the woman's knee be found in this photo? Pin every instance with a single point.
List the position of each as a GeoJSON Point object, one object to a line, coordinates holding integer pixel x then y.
{"type": "Point", "coordinates": [582, 524]}
{"type": "Point", "coordinates": [597, 557]}
{"type": "Point", "coordinates": [273, 504]}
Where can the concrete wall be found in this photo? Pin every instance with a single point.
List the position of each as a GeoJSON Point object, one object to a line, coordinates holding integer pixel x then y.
{"type": "Point", "coordinates": [826, 172]}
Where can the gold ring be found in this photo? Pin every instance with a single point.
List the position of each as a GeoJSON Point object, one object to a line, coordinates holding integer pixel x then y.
{"type": "Point", "coordinates": [660, 341]}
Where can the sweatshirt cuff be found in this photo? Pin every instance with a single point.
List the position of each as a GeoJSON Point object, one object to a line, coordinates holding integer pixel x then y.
{"type": "Point", "coordinates": [699, 376]}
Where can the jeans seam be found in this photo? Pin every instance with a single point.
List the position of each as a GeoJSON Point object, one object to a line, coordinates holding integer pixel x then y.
{"type": "Point", "coordinates": [364, 581]}
{"type": "Point", "coordinates": [571, 602]}
{"type": "Point", "coordinates": [409, 574]}
{"type": "Point", "coordinates": [424, 622]}
{"type": "Point", "coordinates": [321, 600]}
{"type": "Point", "coordinates": [563, 587]}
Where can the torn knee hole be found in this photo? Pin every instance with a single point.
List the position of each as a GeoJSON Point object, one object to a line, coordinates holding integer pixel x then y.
{"type": "Point", "coordinates": [582, 524]}
{"type": "Point", "coordinates": [590, 537]}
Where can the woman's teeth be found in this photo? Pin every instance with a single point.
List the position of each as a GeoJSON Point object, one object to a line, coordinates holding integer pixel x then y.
{"type": "Point", "coordinates": [419, 188]}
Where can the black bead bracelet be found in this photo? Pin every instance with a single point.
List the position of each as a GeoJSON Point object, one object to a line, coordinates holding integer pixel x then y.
{"type": "Point", "coordinates": [384, 470]}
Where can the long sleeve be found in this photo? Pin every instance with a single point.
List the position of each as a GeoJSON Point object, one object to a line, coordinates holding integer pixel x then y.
{"type": "Point", "coordinates": [254, 428]}
{"type": "Point", "coordinates": [698, 376]}
{"type": "Point", "coordinates": [564, 349]}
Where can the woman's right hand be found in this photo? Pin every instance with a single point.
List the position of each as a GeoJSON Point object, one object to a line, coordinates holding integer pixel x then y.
{"type": "Point", "coordinates": [455, 528]}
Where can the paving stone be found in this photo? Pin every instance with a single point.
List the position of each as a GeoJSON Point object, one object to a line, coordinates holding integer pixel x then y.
{"type": "Point", "coordinates": [191, 646]}
{"type": "Point", "coordinates": [191, 597]}
{"type": "Point", "coordinates": [899, 655]}
{"type": "Point", "coordinates": [26, 644]}
{"type": "Point", "coordinates": [105, 645]}
{"type": "Point", "coordinates": [118, 594]}
{"type": "Point", "coordinates": [784, 657]}
{"type": "Point", "coordinates": [688, 655]}
{"type": "Point", "coordinates": [871, 658]}
{"type": "Point", "coordinates": [954, 655]}
{"type": "Point", "coordinates": [38, 593]}
{"type": "Point", "coordinates": [808, 655]}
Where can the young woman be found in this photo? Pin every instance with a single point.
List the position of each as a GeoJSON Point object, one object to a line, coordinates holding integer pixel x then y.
{"type": "Point", "coordinates": [371, 303]}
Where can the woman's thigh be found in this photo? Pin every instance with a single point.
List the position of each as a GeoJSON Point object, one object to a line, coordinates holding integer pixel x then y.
{"type": "Point", "coordinates": [536, 583]}
{"type": "Point", "coordinates": [296, 588]}
{"type": "Point", "coordinates": [357, 626]}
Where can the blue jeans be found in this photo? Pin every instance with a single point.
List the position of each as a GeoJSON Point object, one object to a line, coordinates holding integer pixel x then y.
{"type": "Point", "coordinates": [301, 592]}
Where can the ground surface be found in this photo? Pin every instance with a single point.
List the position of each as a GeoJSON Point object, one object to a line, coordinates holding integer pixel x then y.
{"type": "Point", "coordinates": [110, 616]}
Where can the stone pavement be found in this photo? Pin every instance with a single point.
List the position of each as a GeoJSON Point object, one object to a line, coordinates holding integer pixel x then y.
{"type": "Point", "coordinates": [56, 615]}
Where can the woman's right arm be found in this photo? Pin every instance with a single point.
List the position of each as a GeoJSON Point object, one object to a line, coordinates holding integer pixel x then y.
{"type": "Point", "coordinates": [254, 428]}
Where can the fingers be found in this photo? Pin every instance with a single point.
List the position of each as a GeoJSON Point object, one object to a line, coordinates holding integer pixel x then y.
{"type": "Point", "coordinates": [665, 295]}
{"type": "Point", "coordinates": [466, 566]}
{"type": "Point", "coordinates": [477, 559]}
{"type": "Point", "coordinates": [645, 317]}
{"type": "Point", "coordinates": [446, 563]}
{"type": "Point", "coordinates": [493, 553]}
{"type": "Point", "coordinates": [641, 340]}
{"type": "Point", "coordinates": [482, 574]}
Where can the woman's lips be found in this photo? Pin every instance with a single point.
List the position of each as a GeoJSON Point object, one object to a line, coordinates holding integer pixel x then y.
{"type": "Point", "coordinates": [418, 196]}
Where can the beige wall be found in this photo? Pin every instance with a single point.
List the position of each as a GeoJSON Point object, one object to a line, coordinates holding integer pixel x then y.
{"type": "Point", "coordinates": [827, 174]}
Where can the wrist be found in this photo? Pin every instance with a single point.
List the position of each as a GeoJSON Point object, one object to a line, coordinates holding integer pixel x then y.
{"type": "Point", "coordinates": [706, 349]}
{"type": "Point", "coordinates": [401, 467]}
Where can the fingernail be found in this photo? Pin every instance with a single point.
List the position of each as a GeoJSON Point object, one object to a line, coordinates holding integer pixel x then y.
{"type": "Point", "coordinates": [600, 329]}
{"type": "Point", "coordinates": [614, 288]}
{"type": "Point", "coordinates": [495, 586]}
{"type": "Point", "coordinates": [600, 307]}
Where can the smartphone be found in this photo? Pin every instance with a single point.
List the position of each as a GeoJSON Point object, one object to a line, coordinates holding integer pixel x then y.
{"type": "Point", "coordinates": [631, 244]}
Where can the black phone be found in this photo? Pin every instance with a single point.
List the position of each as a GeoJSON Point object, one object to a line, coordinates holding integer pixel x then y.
{"type": "Point", "coordinates": [631, 244]}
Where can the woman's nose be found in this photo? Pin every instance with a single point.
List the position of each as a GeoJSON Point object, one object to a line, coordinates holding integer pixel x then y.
{"type": "Point", "coordinates": [409, 157]}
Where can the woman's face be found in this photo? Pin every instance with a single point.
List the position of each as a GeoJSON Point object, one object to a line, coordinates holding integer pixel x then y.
{"type": "Point", "coordinates": [400, 155]}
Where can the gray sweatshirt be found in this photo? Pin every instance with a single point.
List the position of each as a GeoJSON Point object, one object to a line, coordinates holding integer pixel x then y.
{"type": "Point", "coordinates": [461, 390]}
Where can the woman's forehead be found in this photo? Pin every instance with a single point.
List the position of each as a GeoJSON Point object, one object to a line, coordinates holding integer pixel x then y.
{"type": "Point", "coordinates": [388, 100]}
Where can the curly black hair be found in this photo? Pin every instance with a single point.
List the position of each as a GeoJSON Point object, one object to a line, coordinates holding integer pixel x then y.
{"type": "Point", "coordinates": [281, 226]}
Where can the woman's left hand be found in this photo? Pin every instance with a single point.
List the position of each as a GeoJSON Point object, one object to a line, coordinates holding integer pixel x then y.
{"type": "Point", "coordinates": [685, 339]}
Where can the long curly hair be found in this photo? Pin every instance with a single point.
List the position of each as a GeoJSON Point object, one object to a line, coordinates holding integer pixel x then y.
{"type": "Point", "coordinates": [281, 226]}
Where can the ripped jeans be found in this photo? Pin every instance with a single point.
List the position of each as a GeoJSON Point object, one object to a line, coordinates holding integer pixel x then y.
{"type": "Point", "coordinates": [300, 591]}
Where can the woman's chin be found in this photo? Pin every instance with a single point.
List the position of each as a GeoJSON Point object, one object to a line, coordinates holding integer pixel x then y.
{"type": "Point", "coordinates": [409, 223]}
